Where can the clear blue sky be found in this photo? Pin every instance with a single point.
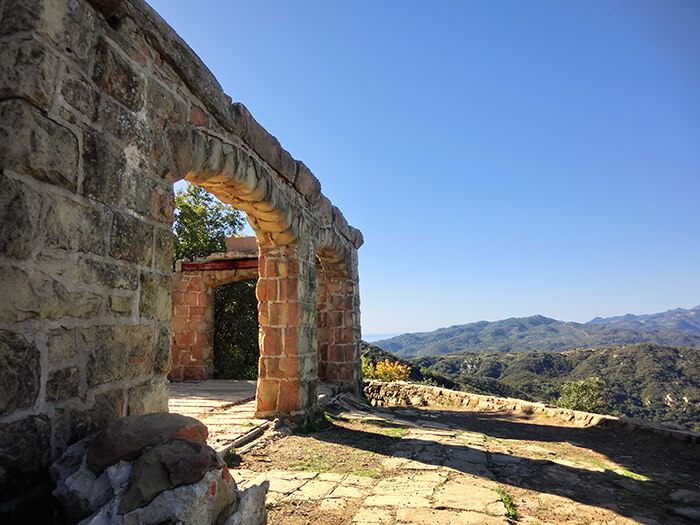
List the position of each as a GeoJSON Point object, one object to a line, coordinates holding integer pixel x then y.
{"type": "Point", "coordinates": [502, 158]}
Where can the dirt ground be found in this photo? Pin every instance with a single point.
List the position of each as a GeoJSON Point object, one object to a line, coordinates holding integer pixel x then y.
{"type": "Point", "coordinates": [553, 472]}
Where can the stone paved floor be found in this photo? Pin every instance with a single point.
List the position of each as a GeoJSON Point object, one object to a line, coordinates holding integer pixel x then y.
{"type": "Point", "coordinates": [424, 491]}
{"type": "Point", "coordinates": [226, 407]}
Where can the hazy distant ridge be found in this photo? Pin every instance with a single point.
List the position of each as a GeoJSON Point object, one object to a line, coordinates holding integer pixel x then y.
{"type": "Point", "coordinates": [677, 327]}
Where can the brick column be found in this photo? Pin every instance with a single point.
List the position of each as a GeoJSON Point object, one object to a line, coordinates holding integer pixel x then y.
{"type": "Point", "coordinates": [288, 373]}
{"type": "Point", "coordinates": [192, 327]}
{"type": "Point", "coordinates": [341, 322]}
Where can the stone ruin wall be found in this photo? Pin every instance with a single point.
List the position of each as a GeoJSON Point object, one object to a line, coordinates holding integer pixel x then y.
{"type": "Point", "coordinates": [102, 108]}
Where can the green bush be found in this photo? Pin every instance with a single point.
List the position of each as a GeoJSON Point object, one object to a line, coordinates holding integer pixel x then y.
{"type": "Point", "coordinates": [385, 370]}
{"type": "Point", "coordinates": [587, 395]}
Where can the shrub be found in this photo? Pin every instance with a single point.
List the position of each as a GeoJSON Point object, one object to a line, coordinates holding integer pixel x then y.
{"type": "Point", "coordinates": [385, 370]}
{"type": "Point", "coordinates": [586, 395]}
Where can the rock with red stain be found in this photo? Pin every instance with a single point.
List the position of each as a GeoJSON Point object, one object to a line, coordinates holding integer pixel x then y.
{"type": "Point", "coordinates": [126, 438]}
{"type": "Point", "coordinates": [167, 466]}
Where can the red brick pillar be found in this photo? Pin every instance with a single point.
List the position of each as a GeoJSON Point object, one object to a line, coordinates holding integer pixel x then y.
{"type": "Point", "coordinates": [192, 327]}
{"type": "Point", "coordinates": [341, 320]}
{"type": "Point", "coordinates": [288, 373]}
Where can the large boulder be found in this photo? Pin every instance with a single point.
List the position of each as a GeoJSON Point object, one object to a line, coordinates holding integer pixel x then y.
{"type": "Point", "coordinates": [125, 438]}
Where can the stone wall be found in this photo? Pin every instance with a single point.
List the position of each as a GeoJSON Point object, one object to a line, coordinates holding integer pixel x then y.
{"type": "Point", "coordinates": [399, 393]}
{"type": "Point", "coordinates": [102, 108]}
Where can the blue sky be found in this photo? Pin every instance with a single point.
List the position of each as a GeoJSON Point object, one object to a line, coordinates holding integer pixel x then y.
{"type": "Point", "coordinates": [501, 158]}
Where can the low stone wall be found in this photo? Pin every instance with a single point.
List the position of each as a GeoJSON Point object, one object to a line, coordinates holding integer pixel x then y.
{"type": "Point", "coordinates": [399, 393]}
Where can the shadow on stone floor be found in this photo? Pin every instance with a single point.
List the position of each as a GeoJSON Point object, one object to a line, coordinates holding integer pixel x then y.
{"type": "Point", "coordinates": [635, 477]}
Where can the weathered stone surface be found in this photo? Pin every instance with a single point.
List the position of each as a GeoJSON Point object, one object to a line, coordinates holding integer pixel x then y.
{"type": "Point", "coordinates": [96, 414]}
{"type": "Point", "coordinates": [61, 345]}
{"type": "Point", "coordinates": [31, 143]}
{"type": "Point", "coordinates": [24, 453]}
{"type": "Point", "coordinates": [19, 218]}
{"type": "Point", "coordinates": [148, 398]}
{"type": "Point", "coordinates": [131, 239]}
{"type": "Point", "coordinates": [104, 167]}
{"type": "Point", "coordinates": [27, 71]}
{"type": "Point", "coordinates": [154, 302]}
{"type": "Point", "coordinates": [129, 130]}
{"type": "Point", "coordinates": [68, 25]}
{"type": "Point", "coordinates": [78, 92]}
{"type": "Point", "coordinates": [166, 466]}
{"type": "Point", "coordinates": [306, 183]}
{"type": "Point", "coordinates": [116, 352]}
{"type": "Point", "coordinates": [116, 76]}
{"type": "Point", "coordinates": [264, 144]}
{"type": "Point", "coordinates": [71, 226]}
{"type": "Point", "coordinates": [35, 294]}
{"type": "Point", "coordinates": [121, 305]}
{"type": "Point", "coordinates": [19, 372]}
{"type": "Point", "coordinates": [63, 384]}
{"type": "Point", "coordinates": [251, 509]}
{"type": "Point", "coordinates": [163, 250]}
{"type": "Point", "coordinates": [91, 271]}
{"type": "Point", "coordinates": [125, 438]}
{"type": "Point", "coordinates": [162, 358]}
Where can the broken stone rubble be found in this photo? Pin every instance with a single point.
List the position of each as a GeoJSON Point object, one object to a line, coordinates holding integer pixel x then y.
{"type": "Point", "coordinates": [168, 479]}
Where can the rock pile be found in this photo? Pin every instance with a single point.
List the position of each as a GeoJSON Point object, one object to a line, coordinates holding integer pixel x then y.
{"type": "Point", "coordinates": [152, 469]}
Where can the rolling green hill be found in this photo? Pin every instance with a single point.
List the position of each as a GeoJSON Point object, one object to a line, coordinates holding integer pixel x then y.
{"type": "Point", "coordinates": [674, 328]}
{"type": "Point", "coordinates": [648, 381]}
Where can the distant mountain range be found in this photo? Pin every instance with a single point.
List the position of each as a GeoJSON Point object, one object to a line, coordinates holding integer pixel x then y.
{"type": "Point", "coordinates": [678, 327]}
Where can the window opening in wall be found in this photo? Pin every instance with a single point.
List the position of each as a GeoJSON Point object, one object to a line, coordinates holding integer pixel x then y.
{"type": "Point", "coordinates": [236, 350]}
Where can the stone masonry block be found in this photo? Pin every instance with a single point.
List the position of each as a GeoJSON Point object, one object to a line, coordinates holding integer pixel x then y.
{"type": "Point", "coordinates": [63, 384]}
{"type": "Point", "coordinates": [95, 414]}
{"type": "Point", "coordinates": [131, 239]}
{"type": "Point", "coordinates": [117, 352]}
{"type": "Point", "coordinates": [154, 301]}
{"type": "Point", "coordinates": [306, 183]}
{"type": "Point", "coordinates": [78, 92]}
{"type": "Point", "coordinates": [104, 166]}
{"type": "Point", "coordinates": [61, 345]}
{"type": "Point", "coordinates": [71, 226]}
{"type": "Point", "coordinates": [28, 71]}
{"type": "Point", "coordinates": [118, 77]}
{"type": "Point", "coordinates": [288, 400]}
{"type": "Point", "coordinates": [19, 218]}
{"type": "Point", "coordinates": [32, 144]}
{"type": "Point", "coordinates": [266, 395]}
{"type": "Point", "coordinates": [66, 24]}
{"type": "Point", "coordinates": [102, 273]}
{"type": "Point", "coordinates": [31, 294]}
{"type": "Point", "coordinates": [19, 372]}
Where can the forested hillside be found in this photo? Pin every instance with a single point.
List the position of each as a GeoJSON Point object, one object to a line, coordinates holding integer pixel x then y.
{"type": "Point", "coordinates": [649, 381]}
{"type": "Point", "coordinates": [674, 328]}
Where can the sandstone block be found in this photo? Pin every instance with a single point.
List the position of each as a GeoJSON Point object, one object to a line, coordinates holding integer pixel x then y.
{"type": "Point", "coordinates": [19, 218]}
{"type": "Point", "coordinates": [32, 144]}
{"type": "Point", "coordinates": [63, 384]}
{"type": "Point", "coordinates": [162, 359]}
{"type": "Point", "coordinates": [115, 75]}
{"type": "Point", "coordinates": [27, 71]}
{"type": "Point", "coordinates": [131, 239]}
{"type": "Point", "coordinates": [121, 305]}
{"type": "Point", "coordinates": [68, 25]}
{"type": "Point", "coordinates": [148, 398]}
{"type": "Point", "coordinates": [163, 254]}
{"type": "Point", "coordinates": [35, 294]}
{"type": "Point", "coordinates": [19, 372]}
{"type": "Point", "coordinates": [78, 92]}
{"type": "Point", "coordinates": [117, 352]}
{"type": "Point", "coordinates": [90, 271]}
{"type": "Point", "coordinates": [125, 438]}
{"type": "Point", "coordinates": [104, 166]}
{"type": "Point", "coordinates": [61, 345]}
{"type": "Point", "coordinates": [306, 184]}
{"type": "Point", "coordinates": [71, 226]}
{"type": "Point", "coordinates": [154, 301]}
{"type": "Point", "coordinates": [127, 128]}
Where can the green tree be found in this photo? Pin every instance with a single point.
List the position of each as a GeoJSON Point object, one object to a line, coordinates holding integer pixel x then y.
{"type": "Point", "coordinates": [587, 395]}
{"type": "Point", "coordinates": [236, 349]}
{"type": "Point", "coordinates": [202, 223]}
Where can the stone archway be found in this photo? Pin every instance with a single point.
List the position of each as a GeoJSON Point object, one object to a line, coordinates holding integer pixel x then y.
{"type": "Point", "coordinates": [102, 108]}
